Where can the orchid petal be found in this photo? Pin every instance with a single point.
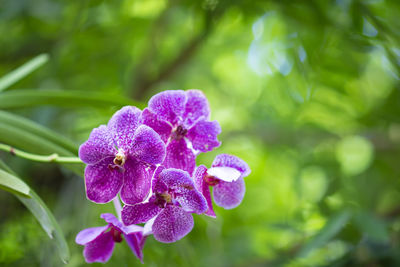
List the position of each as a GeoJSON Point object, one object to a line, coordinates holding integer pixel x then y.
{"type": "Point", "coordinates": [137, 182]}
{"type": "Point", "coordinates": [192, 201]}
{"type": "Point", "coordinates": [139, 213]}
{"type": "Point", "coordinates": [88, 235]}
{"type": "Point", "coordinates": [147, 146]}
{"type": "Point", "coordinates": [203, 135]}
{"type": "Point", "coordinates": [204, 188]}
{"type": "Point", "coordinates": [98, 147]}
{"type": "Point", "coordinates": [225, 160]}
{"type": "Point", "coordinates": [196, 107]}
{"type": "Point", "coordinates": [229, 194]}
{"type": "Point", "coordinates": [102, 183]}
{"type": "Point", "coordinates": [226, 174]}
{"type": "Point", "coordinates": [168, 105]}
{"type": "Point", "coordinates": [179, 156]}
{"type": "Point", "coordinates": [162, 127]}
{"type": "Point", "coordinates": [172, 224]}
{"type": "Point", "coordinates": [136, 243]}
{"type": "Point", "coordinates": [123, 125]}
{"type": "Point", "coordinates": [177, 180]}
{"type": "Point", "coordinates": [110, 218]}
{"type": "Point", "coordinates": [100, 249]}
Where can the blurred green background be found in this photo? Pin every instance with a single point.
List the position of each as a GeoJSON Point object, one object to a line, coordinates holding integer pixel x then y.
{"type": "Point", "coordinates": [307, 92]}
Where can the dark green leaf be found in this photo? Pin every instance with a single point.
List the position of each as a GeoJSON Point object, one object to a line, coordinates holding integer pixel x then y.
{"type": "Point", "coordinates": [371, 226]}
{"type": "Point", "coordinates": [70, 98]}
{"type": "Point", "coordinates": [29, 136]}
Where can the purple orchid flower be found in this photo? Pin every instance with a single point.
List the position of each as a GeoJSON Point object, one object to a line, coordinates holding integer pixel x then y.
{"type": "Point", "coordinates": [121, 157]}
{"type": "Point", "coordinates": [183, 121]}
{"type": "Point", "coordinates": [174, 198]}
{"type": "Point", "coordinates": [226, 177]}
{"type": "Point", "coordinates": [99, 241]}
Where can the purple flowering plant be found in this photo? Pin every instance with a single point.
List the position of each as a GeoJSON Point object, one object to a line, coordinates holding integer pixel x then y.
{"type": "Point", "coordinates": [147, 160]}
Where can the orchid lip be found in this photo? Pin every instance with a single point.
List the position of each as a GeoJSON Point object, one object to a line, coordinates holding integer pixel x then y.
{"type": "Point", "coordinates": [116, 235]}
{"type": "Point", "coordinates": [211, 180]}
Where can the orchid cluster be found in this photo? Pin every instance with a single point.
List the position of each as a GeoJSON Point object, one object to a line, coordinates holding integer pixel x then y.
{"type": "Point", "coordinates": [147, 159]}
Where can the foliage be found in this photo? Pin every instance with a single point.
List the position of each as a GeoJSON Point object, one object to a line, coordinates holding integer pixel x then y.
{"type": "Point", "coordinates": [306, 92]}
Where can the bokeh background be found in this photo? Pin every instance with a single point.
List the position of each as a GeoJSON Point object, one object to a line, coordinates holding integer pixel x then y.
{"type": "Point", "coordinates": [307, 92]}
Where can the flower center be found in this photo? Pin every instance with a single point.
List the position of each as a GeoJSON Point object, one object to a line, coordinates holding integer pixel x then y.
{"type": "Point", "coordinates": [179, 132]}
{"type": "Point", "coordinates": [116, 235]}
{"type": "Point", "coordinates": [120, 158]}
{"type": "Point", "coordinates": [162, 199]}
{"type": "Point", "coordinates": [211, 180]}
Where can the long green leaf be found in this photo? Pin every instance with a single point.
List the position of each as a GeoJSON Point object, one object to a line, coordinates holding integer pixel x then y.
{"type": "Point", "coordinates": [33, 128]}
{"type": "Point", "coordinates": [330, 230]}
{"type": "Point", "coordinates": [44, 216]}
{"type": "Point", "coordinates": [13, 184]}
{"type": "Point", "coordinates": [71, 98]}
{"type": "Point", "coordinates": [29, 136]}
{"type": "Point", "coordinates": [21, 72]}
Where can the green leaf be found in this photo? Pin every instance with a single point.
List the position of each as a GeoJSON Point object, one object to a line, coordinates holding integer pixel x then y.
{"type": "Point", "coordinates": [21, 72]}
{"type": "Point", "coordinates": [371, 226]}
{"type": "Point", "coordinates": [71, 98]}
{"type": "Point", "coordinates": [29, 136]}
{"type": "Point", "coordinates": [330, 230]}
{"type": "Point", "coordinates": [49, 224]}
{"type": "Point", "coordinates": [35, 129]}
{"type": "Point", "coordinates": [41, 212]}
{"type": "Point", "coordinates": [13, 184]}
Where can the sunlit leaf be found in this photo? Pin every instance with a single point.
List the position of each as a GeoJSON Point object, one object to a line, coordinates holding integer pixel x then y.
{"type": "Point", "coordinates": [354, 154]}
{"type": "Point", "coordinates": [42, 213]}
{"type": "Point", "coordinates": [13, 184]}
{"type": "Point", "coordinates": [329, 231]}
{"type": "Point", "coordinates": [21, 72]}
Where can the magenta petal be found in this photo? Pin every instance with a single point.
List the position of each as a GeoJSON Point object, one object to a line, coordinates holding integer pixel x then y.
{"type": "Point", "coordinates": [87, 235]}
{"type": "Point", "coordinates": [168, 105]}
{"type": "Point", "coordinates": [139, 213]}
{"type": "Point", "coordinates": [147, 146]}
{"type": "Point", "coordinates": [136, 243]}
{"type": "Point", "coordinates": [100, 249]}
{"type": "Point", "coordinates": [97, 147]}
{"type": "Point", "coordinates": [185, 191]}
{"type": "Point", "coordinates": [196, 107]}
{"type": "Point", "coordinates": [229, 194]}
{"type": "Point", "coordinates": [172, 224]}
{"type": "Point", "coordinates": [123, 125]}
{"type": "Point", "coordinates": [225, 160]}
{"type": "Point", "coordinates": [110, 218]}
{"type": "Point", "coordinates": [179, 156]}
{"type": "Point", "coordinates": [155, 185]}
{"type": "Point", "coordinates": [137, 182]}
{"type": "Point", "coordinates": [192, 201]}
{"type": "Point", "coordinates": [102, 183]}
{"type": "Point", "coordinates": [204, 188]}
{"type": "Point", "coordinates": [203, 135]}
{"type": "Point", "coordinates": [177, 180]}
{"type": "Point", "coordinates": [160, 126]}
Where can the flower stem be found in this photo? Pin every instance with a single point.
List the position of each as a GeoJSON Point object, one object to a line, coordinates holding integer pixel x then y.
{"type": "Point", "coordinates": [39, 158]}
{"type": "Point", "coordinates": [117, 206]}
